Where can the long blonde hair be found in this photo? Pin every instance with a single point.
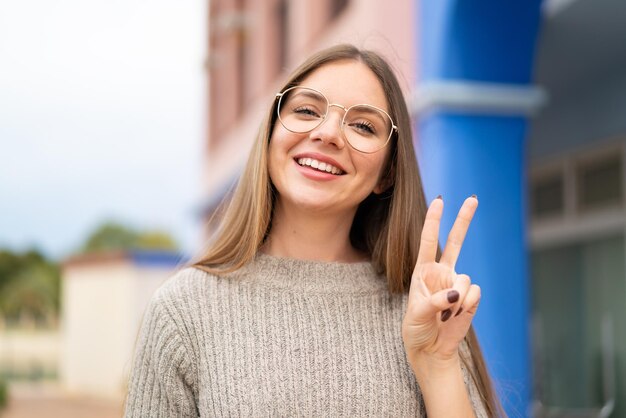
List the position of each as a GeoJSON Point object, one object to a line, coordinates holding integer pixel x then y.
{"type": "Point", "coordinates": [386, 226]}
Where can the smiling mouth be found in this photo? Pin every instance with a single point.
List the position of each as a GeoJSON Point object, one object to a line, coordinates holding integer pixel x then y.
{"type": "Point", "coordinates": [319, 166]}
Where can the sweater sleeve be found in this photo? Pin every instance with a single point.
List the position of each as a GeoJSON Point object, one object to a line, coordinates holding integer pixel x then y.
{"type": "Point", "coordinates": [162, 381]}
{"type": "Point", "coordinates": [474, 395]}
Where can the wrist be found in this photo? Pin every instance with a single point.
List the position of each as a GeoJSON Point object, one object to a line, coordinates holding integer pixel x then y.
{"type": "Point", "coordinates": [441, 382]}
{"type": "Point", "coordinates": [433, 366]}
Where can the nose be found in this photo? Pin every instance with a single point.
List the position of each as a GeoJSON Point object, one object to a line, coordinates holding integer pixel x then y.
{"type": "Point", "coordinates": [329, 131]}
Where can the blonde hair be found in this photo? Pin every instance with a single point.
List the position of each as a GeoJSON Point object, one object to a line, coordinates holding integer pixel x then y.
{"type": "Point", "coordinates": [386, 226]}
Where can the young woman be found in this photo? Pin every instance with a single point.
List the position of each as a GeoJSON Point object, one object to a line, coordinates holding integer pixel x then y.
{"type": "Point", "coordinates": [322, 292]}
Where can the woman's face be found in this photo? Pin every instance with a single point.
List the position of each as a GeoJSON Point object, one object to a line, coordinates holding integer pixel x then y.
{"type": "Point", "coordinates": [304, 187]}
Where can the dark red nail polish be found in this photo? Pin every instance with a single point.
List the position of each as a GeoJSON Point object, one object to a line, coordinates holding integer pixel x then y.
{"type": "Point", "coordinates": [439, 197]}
{"type": "Point", "coordinates": [453, 296]}
{"type": "Point", "coordinates": [445, 315]}
{"type": "Point", "coordinates": [475, 197]}
{"type": "Point", "coordinates": [459, 312]}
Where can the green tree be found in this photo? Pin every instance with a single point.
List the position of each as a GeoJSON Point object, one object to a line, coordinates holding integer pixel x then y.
{"type": "Point", "coordinates": [156, 240]}
{"type": "Point", "coordinates": [30, 284]}
{"type": "Point", "coordinates": [29, 287]}
{"type": "Point", "coordinates": [33, 292]}
{"type": "Point", "coordinates": [9, 264]}
{"type": "Point", "coordinates": [4, 393]}
{"type": "Point", "coordinates": [110, 236]}
{"type": "Point", "coordinates": [115, 236]}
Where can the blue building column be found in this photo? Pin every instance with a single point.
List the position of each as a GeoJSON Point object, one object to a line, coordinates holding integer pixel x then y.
{"type": "Point", "coordinates": [472, 105]}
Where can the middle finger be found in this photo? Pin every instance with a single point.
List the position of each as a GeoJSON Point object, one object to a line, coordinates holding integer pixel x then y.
{"type": "Point", "coordinates": [457, 233]}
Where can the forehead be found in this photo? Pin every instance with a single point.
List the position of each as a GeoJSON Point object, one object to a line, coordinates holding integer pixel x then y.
{"type": "Point", "coordinates": [347, 82]}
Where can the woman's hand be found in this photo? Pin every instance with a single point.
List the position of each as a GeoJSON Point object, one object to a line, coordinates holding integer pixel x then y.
{"type": "Point", "coordinates": [441, 303]}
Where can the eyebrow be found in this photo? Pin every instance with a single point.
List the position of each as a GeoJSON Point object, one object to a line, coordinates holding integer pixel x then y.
{"type": "Point", "coordinates": [315, 95]}
{"type": "Point", "coordinates": [373, 112]}
{"type": "Point", "coordinates": [310, 94]}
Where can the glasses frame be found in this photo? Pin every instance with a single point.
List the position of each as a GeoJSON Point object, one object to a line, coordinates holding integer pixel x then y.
{"type": "Point", "coordinates": [280, 96]}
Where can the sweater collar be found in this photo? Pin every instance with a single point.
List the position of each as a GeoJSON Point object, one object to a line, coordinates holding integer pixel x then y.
{"type": "Point", "coordinates": [313, 276]}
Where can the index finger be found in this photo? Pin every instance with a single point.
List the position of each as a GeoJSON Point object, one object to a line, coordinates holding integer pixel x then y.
{"type": "Point", "coordinates": [429, 241]}
{"type": "Point", "coordinates": [459, 230]}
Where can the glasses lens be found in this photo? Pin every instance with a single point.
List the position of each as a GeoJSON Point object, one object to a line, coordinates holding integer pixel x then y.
{"type": "Point", "coordinates": [301, 109]}
{"type": "Point", "coordinates": [367, 128]}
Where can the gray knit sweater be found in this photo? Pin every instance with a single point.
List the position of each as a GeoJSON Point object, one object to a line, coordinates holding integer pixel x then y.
{"type": "Point", "coordinates": [279, 337]}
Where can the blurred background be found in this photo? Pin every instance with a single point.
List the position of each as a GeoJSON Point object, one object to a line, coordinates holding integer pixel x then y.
{"type": "Point", "coordinates": [124, 124]}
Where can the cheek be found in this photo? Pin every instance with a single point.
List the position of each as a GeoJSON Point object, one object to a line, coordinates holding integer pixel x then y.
{"type": "Point", "coordinates": [272, 155]}
{"type": "Point", "coordinates": [281, 141]}
{"type": "Point", "coordinates": [276, 143]}
{"type": "Point", "coordinates": [277, 156]}
{"type": "Point", "coordinates": [372, 166]}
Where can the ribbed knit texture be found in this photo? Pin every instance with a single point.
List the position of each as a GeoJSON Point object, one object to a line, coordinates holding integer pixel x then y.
{"type": "Point", "coordinates": [279, 337]}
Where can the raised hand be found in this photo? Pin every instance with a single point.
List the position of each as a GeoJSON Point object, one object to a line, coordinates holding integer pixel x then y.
{"type": "Point", "coordinates": [441, 303]}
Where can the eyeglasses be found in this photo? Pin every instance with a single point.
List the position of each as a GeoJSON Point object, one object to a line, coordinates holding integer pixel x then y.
{"type": "Point", "coordinates": [365, 127]}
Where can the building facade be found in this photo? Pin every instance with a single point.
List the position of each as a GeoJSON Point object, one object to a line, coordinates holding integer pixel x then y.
{"type": "Point", "coordinates": [104, 297]}
{"type": "Point", "coordinates": [577, 180]}
{"type": "Point", "coordinates": [254, 45]}
{"type": "Point", "coordinates": [521, 103]}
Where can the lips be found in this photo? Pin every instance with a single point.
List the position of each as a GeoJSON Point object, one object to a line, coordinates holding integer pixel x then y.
{"type": "Point", "coordinates": [319, 165]}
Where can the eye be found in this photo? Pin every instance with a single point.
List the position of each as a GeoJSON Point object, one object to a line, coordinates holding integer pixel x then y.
{"type": "Point", "coordinates": [306, 111]}
{"type": "Point", "coordinates": [366, 121]}
{"type": "Point", "coordinates": [363, 127]}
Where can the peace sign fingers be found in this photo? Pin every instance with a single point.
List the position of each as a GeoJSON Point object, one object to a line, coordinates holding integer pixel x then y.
{"type": "Point", "coordinates": [441, 303]}
{"type": "Point", "coordinates": [429, 240]}
{"type": "Point", "coordinates": [458, 232]}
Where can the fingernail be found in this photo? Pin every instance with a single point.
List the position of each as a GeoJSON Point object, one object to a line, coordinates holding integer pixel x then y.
{"type": "Point", "coordinates": [445, 315]}
{"type": "Point", "coordinates": [459, 312]}
{"type": "Point", "coordinates": [439, 197]}
{"type": "Point", "coordinates": [453, 296]}
{"type": "Point", "coordinates": [475, 197]}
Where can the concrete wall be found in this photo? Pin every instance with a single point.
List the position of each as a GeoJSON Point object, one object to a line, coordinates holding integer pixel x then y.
{"type": "Point", "coordinates": [588, 115]}
{"type": "Point", "coordinates": [103, 304]}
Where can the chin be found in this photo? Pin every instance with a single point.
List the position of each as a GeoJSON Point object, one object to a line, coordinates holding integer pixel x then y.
{"type": "Point", "coordinates": [314, 204]}
{"type": "Point", "coordinates": [311, 200]}
{"type": "Point", "coordinates": [318, 199]}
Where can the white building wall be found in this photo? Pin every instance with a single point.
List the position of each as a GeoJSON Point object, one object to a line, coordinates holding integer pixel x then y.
{"type": "Point", "coordinates": [103, 304]}
{"type": "Point", "coordinates": [25, 351]}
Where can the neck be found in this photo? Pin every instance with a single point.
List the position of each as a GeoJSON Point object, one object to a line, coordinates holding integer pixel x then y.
{"type": "Point", "coordinates": [309, 236]}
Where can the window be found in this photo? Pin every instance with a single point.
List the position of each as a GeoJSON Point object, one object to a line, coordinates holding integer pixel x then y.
{"type": "Point", "coordinates": [599, 183]}
{"type": "Point", "coordinates": [577, 186]}
{"type": "Point", "coordinates": [578, 287]}
{"type": "Point", "coordinates": [547, 196]}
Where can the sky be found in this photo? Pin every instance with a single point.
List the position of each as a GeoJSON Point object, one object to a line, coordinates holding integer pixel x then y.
{"type": "Point", "coordinates": [102, 108]}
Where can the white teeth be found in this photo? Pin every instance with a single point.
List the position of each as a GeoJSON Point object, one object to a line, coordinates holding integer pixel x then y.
{"type": "Point", "coordinates": [322, 166]}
